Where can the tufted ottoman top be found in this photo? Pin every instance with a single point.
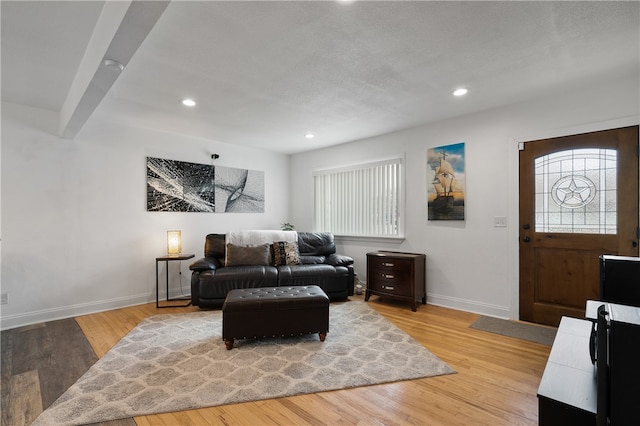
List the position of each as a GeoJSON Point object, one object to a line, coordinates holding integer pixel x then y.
{"type": "Point", "coordinates": [275, 298]}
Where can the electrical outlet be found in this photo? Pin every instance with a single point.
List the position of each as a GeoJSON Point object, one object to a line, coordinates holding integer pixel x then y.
{"type": "Point", "coordinates": [4, 298]}
{"type": "Point", "coordinates": [500, 222]}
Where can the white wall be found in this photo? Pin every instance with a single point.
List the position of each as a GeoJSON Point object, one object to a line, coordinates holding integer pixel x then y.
{"type": "Point", "coordinates": [76, 234]}
{"type": "Point", "coordinates": [471, 265]}
{"type": "Point", "coordinates": [77, 237]}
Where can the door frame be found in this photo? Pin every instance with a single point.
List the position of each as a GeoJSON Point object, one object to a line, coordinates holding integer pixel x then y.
{"type": "Point", "coordinates": [514, 202]}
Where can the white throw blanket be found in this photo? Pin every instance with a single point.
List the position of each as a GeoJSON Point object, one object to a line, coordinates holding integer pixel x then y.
{"type": "Point", "coordinates": [256, 238]}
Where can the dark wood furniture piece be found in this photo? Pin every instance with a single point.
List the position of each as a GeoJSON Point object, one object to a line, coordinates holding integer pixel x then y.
{"type": "Point", "coordinates": [274, 311]}
{"type": "Point", "coordinates": [166, 260]}
{"type": "Point", "coordinates": [397, 275]}
{"type": "Point", "coordinates": [567, 395]}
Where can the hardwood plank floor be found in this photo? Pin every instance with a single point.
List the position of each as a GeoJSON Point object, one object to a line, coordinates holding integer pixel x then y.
{"type": "Point", "coordinates": [496, 382]}
{"type": "Point", "coordinates": [39, 362]}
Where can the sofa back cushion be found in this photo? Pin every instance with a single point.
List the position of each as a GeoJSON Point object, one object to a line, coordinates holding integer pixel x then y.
{"type": "Point", "coordinates": [312, 246]}
{"type": "Point", "coordinates": [214, 246]}
{"type": "Point", "coordinates": [316, 243]}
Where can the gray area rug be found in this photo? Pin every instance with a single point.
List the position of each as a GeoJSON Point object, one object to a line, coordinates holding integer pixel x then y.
{"type": "Point", "coordinates": [520, 330]}
{"type": "Point", "coordinates": [178, 362]}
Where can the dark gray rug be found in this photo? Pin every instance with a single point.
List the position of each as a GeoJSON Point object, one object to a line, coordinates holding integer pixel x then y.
{"type": "Point", "coordinates": [39, 363]}
{"type": "Point", "coordinates": [520, 330]}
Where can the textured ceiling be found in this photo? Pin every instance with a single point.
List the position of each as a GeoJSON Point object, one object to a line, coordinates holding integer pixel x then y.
{"type": "Point", "coordinates": [266, 73]}
{"type": "Point", "coordinates": [42, 45]}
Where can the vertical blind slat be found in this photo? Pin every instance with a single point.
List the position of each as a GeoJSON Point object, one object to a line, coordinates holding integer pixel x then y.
{"type": "Point", "coordinates": [364, 200]}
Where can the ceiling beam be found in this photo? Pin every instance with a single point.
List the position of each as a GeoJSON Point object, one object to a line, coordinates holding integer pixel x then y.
{"type": "Point", "coordinates": [120, 30]}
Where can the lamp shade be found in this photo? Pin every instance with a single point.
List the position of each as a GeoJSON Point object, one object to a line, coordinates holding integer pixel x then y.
{"type": "Point", "coordinates": [174, 243]}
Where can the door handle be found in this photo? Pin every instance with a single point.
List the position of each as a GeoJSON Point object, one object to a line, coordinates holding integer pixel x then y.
{"type": "Point", "coordinates": [526, 239]}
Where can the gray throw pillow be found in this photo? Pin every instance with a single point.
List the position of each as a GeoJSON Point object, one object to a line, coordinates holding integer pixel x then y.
{"type": "Point", "coordinates": [247, 255]}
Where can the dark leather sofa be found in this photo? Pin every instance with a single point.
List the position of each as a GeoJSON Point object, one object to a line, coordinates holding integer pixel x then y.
{"type": "Point", "coordinates": [319, 265]}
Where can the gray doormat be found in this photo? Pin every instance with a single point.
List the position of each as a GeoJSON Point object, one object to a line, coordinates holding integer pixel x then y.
{"type": "Point", "coordinates": [520, 330]}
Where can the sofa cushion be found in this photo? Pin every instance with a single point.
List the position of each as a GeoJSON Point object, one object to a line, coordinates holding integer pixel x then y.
{"type": "Point", "coordinates": [214, 246]}
{"type": "Point", "coordinates": [316, 243]}
{"type": "Point", "coordinates": [311, 260]}
{"type": "Point", "coordinates": [332, 279]}
{"type": "Point", "coordinates": [285, 253]}
{"type": "Point", "coordinates": [213, 285]}
{"type": "Point", "coordinates": [247, 255]}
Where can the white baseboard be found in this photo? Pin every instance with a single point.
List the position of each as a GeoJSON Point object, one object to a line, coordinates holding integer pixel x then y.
{"type": "Point", "coordinates": [469, 306]}
{"type": "Point", "coordinates": [35, 317]}
{"type": "Point", "coordinates": [466, 305]}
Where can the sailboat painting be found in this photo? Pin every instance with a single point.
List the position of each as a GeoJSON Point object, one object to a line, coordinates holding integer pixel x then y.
{"type": "Point", "coordinates": [446, 182]}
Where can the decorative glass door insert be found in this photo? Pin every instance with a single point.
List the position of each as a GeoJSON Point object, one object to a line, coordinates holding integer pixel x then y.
{"type": "Point", "coordinates": [576, 191]}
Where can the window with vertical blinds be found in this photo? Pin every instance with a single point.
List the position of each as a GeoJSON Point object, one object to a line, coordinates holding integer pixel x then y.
{"type": "Point", "coordinates": [360, 200]}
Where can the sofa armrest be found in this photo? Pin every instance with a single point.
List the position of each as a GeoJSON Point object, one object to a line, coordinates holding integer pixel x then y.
{"type": "Point", "coordinates": [339, 260]}
{"type": "Point", "coordinates": [205, 264]}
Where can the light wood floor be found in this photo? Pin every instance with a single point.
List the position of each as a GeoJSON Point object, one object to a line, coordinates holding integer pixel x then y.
{"type": "Point", "coordinates": [496, 382]}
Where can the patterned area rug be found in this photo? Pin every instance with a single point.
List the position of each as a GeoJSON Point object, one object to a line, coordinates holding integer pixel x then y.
{"type": "Point", "coordinates": [178, 362]}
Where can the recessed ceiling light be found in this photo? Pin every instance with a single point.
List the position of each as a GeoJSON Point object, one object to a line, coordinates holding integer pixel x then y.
{"type": "Point", "coordinates": [309, 136]}
{"type": "Point", "coordinates": [188, 102]}
{"type": "Point", "coordinates": [460, 92]}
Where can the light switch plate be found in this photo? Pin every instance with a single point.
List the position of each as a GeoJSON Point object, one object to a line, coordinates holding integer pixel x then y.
{"type": "Point", "coordinates": [499, 222]}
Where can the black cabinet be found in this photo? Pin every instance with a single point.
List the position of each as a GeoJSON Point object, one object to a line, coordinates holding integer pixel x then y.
{"type": "Point", "coordinates": [620, 280]}
{"type": "Point", "coordinates": [575, 391]}
{"type": "Point", "coordinates": [618, 338]}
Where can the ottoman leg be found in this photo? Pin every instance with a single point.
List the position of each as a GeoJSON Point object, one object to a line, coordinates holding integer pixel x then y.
{"type": "Point", "coordinates": [322, 336]}
{"type": "Point", "coordinates": [229, 344]}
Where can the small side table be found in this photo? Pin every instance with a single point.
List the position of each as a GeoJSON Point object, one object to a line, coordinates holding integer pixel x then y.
{"type": "Point", "coordinates": [166, 260]}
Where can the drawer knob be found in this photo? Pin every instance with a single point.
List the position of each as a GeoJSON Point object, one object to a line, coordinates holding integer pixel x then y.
{"type": "Point", "coordinates": [387, 287]}
{"type": "Point", "coordinates": [388, 276]}
{"type": "Point", "coordinates": [387, 264]}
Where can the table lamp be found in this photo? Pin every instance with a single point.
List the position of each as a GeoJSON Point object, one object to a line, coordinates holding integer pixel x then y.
{"type": "Point", "coordinates": [174, 243]}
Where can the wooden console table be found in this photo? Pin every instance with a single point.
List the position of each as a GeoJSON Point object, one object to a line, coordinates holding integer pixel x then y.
{"type": "Point", "coordinates": [397, 275]}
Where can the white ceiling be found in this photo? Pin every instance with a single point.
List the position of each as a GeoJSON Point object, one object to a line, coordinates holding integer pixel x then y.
{"type": "Point", "coordinates": [266, 73]}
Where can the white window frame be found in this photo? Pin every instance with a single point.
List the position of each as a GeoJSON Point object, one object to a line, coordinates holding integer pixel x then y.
{"type": "Point", "coordinates": [349, 189]}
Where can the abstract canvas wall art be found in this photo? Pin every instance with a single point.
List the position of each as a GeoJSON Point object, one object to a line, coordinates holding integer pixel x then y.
{"type": "Point", "coordinates": [178, 186]}
{"type": "Point", "coordinates": [446, 182]}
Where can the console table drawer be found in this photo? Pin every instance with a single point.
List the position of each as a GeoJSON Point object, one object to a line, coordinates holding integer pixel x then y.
{"type": "Point", "coordinates": [389, 285]}
{"type": "Point", "coordinates": [393, 264]}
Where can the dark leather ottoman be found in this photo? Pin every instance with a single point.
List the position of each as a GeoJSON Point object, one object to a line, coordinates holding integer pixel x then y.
{"type": "Point", "coordinates": [274, 311]}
